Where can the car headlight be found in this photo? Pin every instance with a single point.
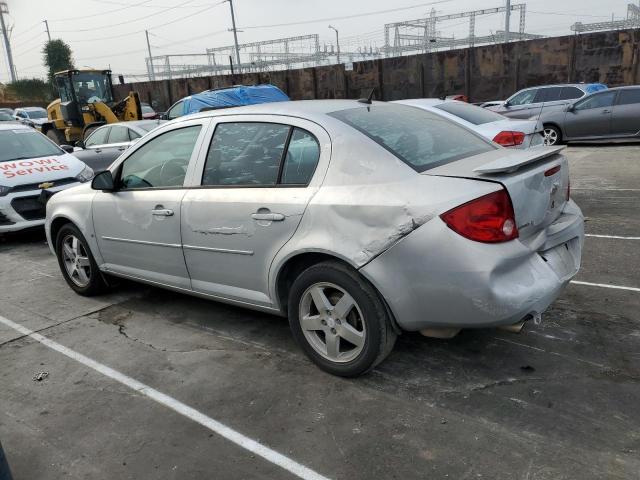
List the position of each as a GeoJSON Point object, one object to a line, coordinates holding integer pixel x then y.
{"type": "Point", "coordinates": [4, 190]}
{"type": "Point", "coordinates": [85, 175]}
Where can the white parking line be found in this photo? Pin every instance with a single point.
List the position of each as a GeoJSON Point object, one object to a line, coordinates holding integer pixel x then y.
{"type": "Point", "coordinates": [177, 406]}
{"type": "Point", "coordinates": [618, 237]}
{"type": "Point", "coordinates": [606, 285]}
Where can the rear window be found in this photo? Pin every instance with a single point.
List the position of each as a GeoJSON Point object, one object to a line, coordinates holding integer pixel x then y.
{"type": "Point", "coordinates": [470, 113]}
{"type": "Point", "coordinates": [421, 139]}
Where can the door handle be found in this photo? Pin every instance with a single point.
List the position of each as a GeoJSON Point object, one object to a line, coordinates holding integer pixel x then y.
{"type": "Point", "coordinates": [161, 212]}
{"type": "Point", "coordinates": [270, 217]}
{"type": "Point", "coordinates": [97, 150]}
{"type": "Point", "coordinates": [122, 149]}
{"type": "Point", "coordinates": [604, 112]}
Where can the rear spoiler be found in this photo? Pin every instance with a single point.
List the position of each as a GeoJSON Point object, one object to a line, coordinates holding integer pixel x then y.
{"type": "Point", "coordinates": [512, 162]}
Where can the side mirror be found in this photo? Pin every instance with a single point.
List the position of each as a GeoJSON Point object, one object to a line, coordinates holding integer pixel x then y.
{"type": "Point", "coordinates": [80, 144]}
{"type": "Point", "coordinates": [103, 181]}
{"type": "Point", "coordinates": [67, 148]}
{"type": "Point", "coordinates": [164, 116]}
{"type": "Point", "coordinates": [569, 108]}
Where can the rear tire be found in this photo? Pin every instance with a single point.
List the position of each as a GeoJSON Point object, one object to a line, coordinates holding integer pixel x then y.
{"type": "Point", "coordinates": [76, 262]}
{"type": "Point", "coordinates": [56, 136]}
{"type": "Point", "coordinates": [552, 135]}
{"type": "Point", "coordinates": [339, 320]}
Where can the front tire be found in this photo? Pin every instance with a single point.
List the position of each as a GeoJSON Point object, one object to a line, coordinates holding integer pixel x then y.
{"type": "Point", "coordinates": [339, 320]}
{"type": "Point", "coordinates": [77, 264]}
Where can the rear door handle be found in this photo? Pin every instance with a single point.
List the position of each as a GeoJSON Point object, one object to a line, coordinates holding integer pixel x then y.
{"type": "Point", "coordinates": [270, 217]}
{"type": "Point", "coordinates": [122, 149]}
{"type": "Point", "coordinates": [162, 212]}
{"type": "Point", "coordinates": [604, 112]}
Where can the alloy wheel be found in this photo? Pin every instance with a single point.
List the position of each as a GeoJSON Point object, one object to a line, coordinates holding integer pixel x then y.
{"type": "Point", "coordinates": [332, 322]}
{"type": "Point", "coordinates": [550, 136]}
{"type": "Point", "coordinates": [76, 260]}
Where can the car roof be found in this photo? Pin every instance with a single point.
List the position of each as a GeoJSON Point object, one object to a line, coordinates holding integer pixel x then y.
{"type": "Point", "coordinates": [577, 85]}
{"type": "Point", "coordinates": [314, 110]}
{"type": "Point", "coordinates": [625, 87]}
{"type": "Point", "coordinates": [31, 109]}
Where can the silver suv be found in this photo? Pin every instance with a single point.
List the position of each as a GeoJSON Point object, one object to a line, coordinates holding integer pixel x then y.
{"type": "Point", "coordinates": [530, 102]}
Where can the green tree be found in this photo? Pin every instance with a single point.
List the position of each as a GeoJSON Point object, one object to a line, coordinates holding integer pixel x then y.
{"type": "Point", "coordinates": [57, 56]}
{"type": "Point", "coordinates": [30, 89]}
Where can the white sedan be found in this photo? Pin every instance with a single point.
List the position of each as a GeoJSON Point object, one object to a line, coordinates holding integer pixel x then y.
{"type": "Point", "coordinates": [30, 163]}
{"type": "Point", "coordinates": [493, 126]}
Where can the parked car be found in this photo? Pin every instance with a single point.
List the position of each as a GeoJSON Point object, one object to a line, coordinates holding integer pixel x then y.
{"type": "Point", "coordinates": [31, 116]}
{"type": "Point", "coordinates": [31, 164]}
{"type": "Point", "coordinates": [493, 126]}
{"type": "Point", "coordinates": [490, 103]}
{"type": "Point", "coordinates": [356, 219]}
{"type": "Point", "coordinates": [148, 113]}
{"type": "Point", "coordinates": [612, 114]}
{"type": "Point", "coordinates": [531, 102]}
{"type": "Point", "coordinates": [227, 97]}
{"type": "Point", "coordinates": [107, 143]}
{"type": "Point", "coordinates": [5, 117]}
{"type": "Point", "coordinates": [7, 110]}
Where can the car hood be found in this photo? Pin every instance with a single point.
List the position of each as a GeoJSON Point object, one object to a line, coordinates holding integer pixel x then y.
{"type": "Point", "coordinates": [40, 169]}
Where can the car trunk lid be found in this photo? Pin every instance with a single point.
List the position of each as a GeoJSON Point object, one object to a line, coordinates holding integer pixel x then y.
{"type": "Point", "coordinates": [536, 179]}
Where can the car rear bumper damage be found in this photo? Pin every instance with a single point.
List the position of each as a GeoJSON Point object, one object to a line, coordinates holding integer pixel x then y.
{"type": "Point", "coordinates": [434, 278]}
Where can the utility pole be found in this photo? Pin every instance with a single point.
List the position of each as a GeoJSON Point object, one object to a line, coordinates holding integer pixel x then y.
{"type": "Point", "coordinates": [507, 22]}
{"type": "Point", "coordinates": [12, 68]}
{"type": "Point", "coordinates": [337, 42]}
{"type": "Point", "coordinates": [46, 25]}
{"type": "Point", "coordinates": [235, 34]}
{"type": "Point", "coordinates": [152, 73]}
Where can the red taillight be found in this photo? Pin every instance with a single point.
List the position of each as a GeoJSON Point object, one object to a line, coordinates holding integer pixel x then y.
{"type": "Point", "coordinates": [509, 139]}
{"type": "Point", "coordinates": [552, 171]}
{"type": "Point", "coordinates": [488, 219]}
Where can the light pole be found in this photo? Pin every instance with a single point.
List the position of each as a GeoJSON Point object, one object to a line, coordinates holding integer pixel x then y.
{"type": "Point", "coordinates": [337, 41]}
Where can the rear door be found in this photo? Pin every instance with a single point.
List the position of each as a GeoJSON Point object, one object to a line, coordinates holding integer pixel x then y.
{"type": "Point", "coordinates": [92, 154]}
{"type": "Point", "coordinates": [626, 113]}
{"type": "Point", "coordinates": [591, 116]}
{"type": "Point", "coordinates": [254, 185]}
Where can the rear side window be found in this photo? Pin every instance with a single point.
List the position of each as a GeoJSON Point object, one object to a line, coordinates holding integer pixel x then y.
{"type": "Point", "coordinates": [99, 137]}
{"type": "Point", "coordinates": [421, 139]}
{"type": "Point", "coordinates": [118, 134]}
{"type": "Point", "coordinates": [301, 159]}
{"type": "Point", "coordinates": [570, 93]}
{"type": "Point", "coordinates": [470, 113]}
{"type": "Point", "coordinates": [245, 153]}
{"type": "Point", "coordinates": [549, 94]}
{"type": "Point", "coordinates": [628, 97]}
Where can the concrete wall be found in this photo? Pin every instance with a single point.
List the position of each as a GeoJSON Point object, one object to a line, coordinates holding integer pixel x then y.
{"type": "Point", "coordinates": [482, 73]}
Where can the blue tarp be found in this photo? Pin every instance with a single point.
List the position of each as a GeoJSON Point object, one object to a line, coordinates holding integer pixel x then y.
{"type": "Point", "coordinates": [234, 97]}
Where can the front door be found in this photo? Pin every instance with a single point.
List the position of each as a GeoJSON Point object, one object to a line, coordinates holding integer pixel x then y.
{"type": "Point", "coordinates": [254, 190]}
{"type": "Point", "coordinates": [591, 116]}
{"type": "Point", "coordinates": [138, 226]}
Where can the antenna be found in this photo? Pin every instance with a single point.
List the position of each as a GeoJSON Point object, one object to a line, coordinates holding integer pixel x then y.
{"type": "Point", "coordinates": [369, 98]}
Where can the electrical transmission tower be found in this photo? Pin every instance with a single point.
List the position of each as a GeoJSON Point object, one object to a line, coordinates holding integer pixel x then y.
{"type": "Point", "coordinates": [420, 35]}
{"type": "Point", "coordinates": [632, 21]}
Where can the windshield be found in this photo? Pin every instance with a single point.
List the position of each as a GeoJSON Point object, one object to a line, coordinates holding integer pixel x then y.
{"type": "Point", "coordinates": [37, 113]}
{"type": "Point", "coordinates": [22, 143]}
{"type": "Point", "coordinates": [419, 138]}
{"type": "Point", "coordinates": [147, 109]}
{"type": "Point", "coordinates": [470, 113]}
{"type": "Point", "coordinates": [92, 87]}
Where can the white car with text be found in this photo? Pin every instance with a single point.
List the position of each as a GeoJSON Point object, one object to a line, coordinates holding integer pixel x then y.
{"type": "Point", "coordinates": [32, 168]}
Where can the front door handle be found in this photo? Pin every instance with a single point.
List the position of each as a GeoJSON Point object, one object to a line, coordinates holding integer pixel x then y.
{"type": "Point", "coordinates": [162, 212]}
{"type": "Point", "coordinates": [270, 217]}
{"type": "Point", "coordinates": [604, 112]}
{"type": "Point", "coordinates": [122, 149]}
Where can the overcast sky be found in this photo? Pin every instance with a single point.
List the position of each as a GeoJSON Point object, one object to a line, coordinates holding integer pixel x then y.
{"type": "Point", "coordinates": [112, 31]}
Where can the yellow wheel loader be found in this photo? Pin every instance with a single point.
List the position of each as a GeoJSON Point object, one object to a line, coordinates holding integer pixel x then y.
{"type": "Point", "coordinates": [86, 102]}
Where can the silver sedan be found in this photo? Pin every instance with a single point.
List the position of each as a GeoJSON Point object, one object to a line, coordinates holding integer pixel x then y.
{"type": "Point", "coordinates": [356, 220]}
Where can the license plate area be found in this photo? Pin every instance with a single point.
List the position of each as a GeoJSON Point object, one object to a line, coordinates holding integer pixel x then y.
{"type": "Point", "coordinates": [563, 259]}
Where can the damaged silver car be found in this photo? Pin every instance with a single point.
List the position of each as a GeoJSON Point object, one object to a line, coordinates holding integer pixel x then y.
{"type": "Point", "coordinates": [356, 220]}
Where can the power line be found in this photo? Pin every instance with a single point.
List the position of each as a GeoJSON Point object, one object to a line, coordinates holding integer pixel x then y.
{"type": "Point", "coordinates": [345, 17]}
{"type": "Point", "coordinates": [68, 19]}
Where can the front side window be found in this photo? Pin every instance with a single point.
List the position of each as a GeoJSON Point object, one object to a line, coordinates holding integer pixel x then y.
{"type": "Point", "coordinates": [470, 113]}
{"type": "Point", "coordinates": [245, 153]}
{"type": "Point", "coordinates": [600, 100]}
{"type": "Point", "coordinates": [161, 162]}
{"type": "Point", "coordinates": [629, 96]}
{"type": "Point", "coordinates": [20, 144]}
{"type": "Point", "coordinates": [421, 139]}
{"type": "Point", "coordinates": [523, 98]}
{"type": "Point", "coordinates": [99, 137]}
{"type": "Point", "coordinates": [119, 134]}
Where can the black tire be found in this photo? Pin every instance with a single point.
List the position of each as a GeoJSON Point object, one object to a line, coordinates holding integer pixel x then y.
{"type": "Point", "coordinates": [552, 135]}
{"type": "Point", "coordinates": [379, 336]}
{"type": "Point", "coordinates": [96, 283]}
{"type": "Point", "coordinates": [56, 136]}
